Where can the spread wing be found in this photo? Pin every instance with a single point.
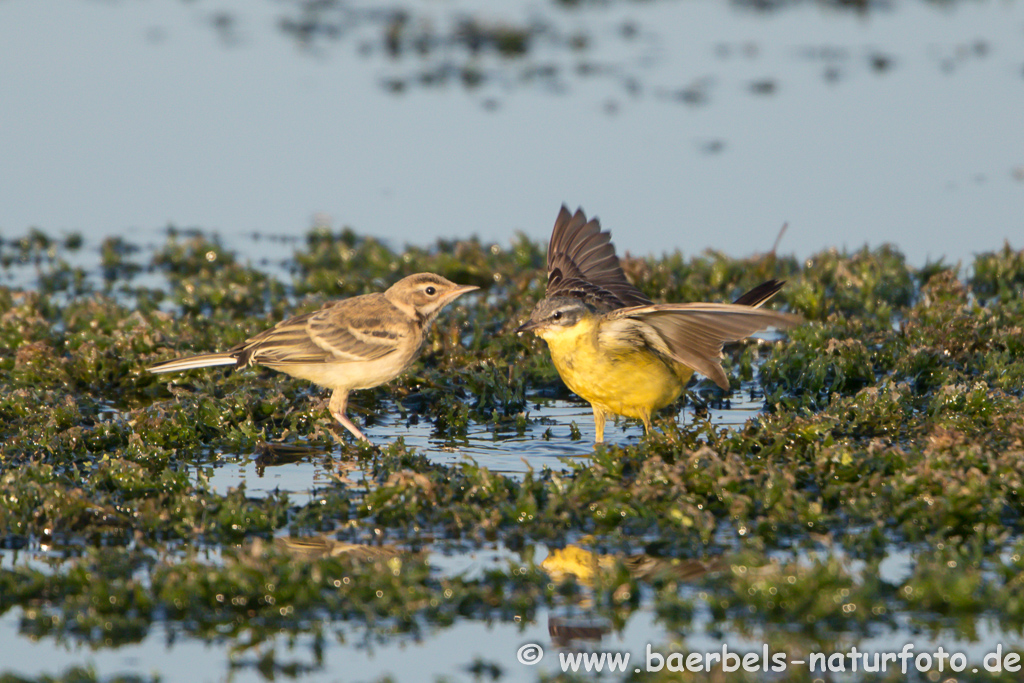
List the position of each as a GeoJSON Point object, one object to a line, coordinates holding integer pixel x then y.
{"type": "Point", "coordinates": [693, 334]}
{"type": "Point", "coordinates": [582, 264]}
{"type": "Point", "coordinates": [340, 332]}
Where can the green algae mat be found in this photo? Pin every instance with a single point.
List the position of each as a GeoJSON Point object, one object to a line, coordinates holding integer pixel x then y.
{"type": "Point", "coordinates": [875, 502]}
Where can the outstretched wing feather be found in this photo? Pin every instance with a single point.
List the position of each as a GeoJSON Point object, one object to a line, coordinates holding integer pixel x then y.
{"type": "Point", "coordinates": [579, 252]}
{"type": "Point", "coordinates": [693, 334]}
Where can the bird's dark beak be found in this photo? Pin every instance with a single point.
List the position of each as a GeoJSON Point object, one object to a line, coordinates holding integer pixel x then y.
{"type": "Point", "coordinates": [526, 327]}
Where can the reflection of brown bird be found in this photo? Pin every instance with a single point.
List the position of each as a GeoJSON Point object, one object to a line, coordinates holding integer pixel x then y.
{"type": "Point", "coordinates": [356, 343]}
{"type": "Point", "coordinates": [616, 348]}
{"type": "Point", "coordinates": [316, 547]}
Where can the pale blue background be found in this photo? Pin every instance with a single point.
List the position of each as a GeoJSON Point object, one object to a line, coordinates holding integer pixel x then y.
{"type": "Point", "coordinates": [126, 116]}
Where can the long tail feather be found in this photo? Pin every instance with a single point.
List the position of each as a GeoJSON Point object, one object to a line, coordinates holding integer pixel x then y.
{"type": "Point", "coordinates": [205, 360]}
{"type": "Point", "coordinates": [760, 294]}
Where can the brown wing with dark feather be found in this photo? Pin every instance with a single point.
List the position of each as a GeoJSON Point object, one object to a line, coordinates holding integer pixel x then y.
{"type": "Point", "coordinates": [582, 264]}
{"type": "Point", "coordinates": [337, 333]}
{"type": "Point", "coordinates": [693, 334]}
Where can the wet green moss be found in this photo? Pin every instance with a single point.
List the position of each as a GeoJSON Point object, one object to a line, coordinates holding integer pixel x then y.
{"type": "Point", "coordinates": [999, 274]}
{"type": "Point", "coordinates": [892, 427]}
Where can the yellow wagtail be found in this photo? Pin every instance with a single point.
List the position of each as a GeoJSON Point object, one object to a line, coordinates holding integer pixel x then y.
{"type": "Point", "coordinates": [356, 343]}
{"type": "Point", "coordinates": [615, 347]}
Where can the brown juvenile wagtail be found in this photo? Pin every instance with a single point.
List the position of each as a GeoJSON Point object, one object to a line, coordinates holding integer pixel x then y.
{"type": "Point", "coordinates": [355, 343]}
{"type": "Point", "coordinates": [616, 348]}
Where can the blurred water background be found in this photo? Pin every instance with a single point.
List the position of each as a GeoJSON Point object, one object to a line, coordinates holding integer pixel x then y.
{"type": "Point", "coordinates": [683, 125]}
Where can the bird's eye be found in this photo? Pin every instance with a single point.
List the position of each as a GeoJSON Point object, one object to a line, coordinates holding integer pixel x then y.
{"type": "Point", "coordinates": [431, 291]}
{"type": "Point", "coordinates": [557, 315]}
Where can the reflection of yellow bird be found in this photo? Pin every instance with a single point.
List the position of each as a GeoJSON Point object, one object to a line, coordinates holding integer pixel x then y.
{"type": "Point", "coordinates": [616, 348]}
{"type": "Point", "coordinates": [356, 343]}
{"type": "Point", "coordinates": [586, 565]}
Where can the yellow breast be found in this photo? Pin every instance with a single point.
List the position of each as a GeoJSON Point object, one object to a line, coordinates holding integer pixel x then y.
{"type": "Point", "coordinates": [626, 380]}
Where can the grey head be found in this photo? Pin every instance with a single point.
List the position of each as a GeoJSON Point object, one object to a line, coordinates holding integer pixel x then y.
{"type": "Point", "coordinates": [558, 311]}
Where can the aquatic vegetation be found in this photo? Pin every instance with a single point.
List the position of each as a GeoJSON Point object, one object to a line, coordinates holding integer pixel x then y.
{"type": "Point", "coordinates": [892, 429]}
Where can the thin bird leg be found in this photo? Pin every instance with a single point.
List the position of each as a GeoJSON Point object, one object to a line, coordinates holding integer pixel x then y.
{"type": "Point", "coordinates": [339, 399]}
{"type": "Point", "coordinates": [647, 424]}
{"type": "Point", "coordinates": [598, 424]}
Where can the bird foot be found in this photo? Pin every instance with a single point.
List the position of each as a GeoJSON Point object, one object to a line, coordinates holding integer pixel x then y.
{"type": "Point", "coordinates": [349, 425]}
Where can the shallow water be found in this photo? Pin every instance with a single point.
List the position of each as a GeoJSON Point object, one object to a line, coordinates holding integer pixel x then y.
{"type": "Point", "coordinates": [362, 657]}
{"type": "Point", "coordinates": [511, 455]}
{"type": "Point", "coordinates": [684, 125]}
{"type": "Point", "coordinates": [351, 654]}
